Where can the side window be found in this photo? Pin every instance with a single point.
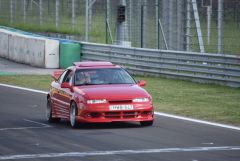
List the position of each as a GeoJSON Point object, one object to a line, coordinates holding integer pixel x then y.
{"type": "Point", "coordinates": [60, 80]}
{"type": "Point", "coordinates": [65, 77]}
{"type": "Point", "coordinates": [68, 77]}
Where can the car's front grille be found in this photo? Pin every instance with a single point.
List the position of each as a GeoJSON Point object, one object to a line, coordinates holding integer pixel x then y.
{"type": "Point", "coordinates": [118, 115]}
{"type": "Point", "coordinates": [130, 114]}
{"type": "Point", "coordinates": [120, 101]}
{"type": "Point", "coordinates": [115, 115]}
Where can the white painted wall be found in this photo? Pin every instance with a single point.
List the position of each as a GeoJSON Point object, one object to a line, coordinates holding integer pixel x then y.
{"type": "Point", "coordinates": [51, 53]}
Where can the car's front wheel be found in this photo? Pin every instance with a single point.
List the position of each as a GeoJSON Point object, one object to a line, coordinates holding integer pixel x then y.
{"type": "Point", "coordinates": [73, 114]}
{"type": "Point", "coordinates": [49, 117]}
{"type": "Point", "coordinates": [146, 123]}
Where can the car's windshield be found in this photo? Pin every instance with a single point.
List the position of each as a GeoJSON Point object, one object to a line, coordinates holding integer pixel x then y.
{"type": "Point", "coordinates": [102, 76]}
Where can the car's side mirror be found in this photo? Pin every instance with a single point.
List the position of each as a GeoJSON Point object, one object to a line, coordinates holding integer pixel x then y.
{"type": "Point", "coordinates": [141, 83]}
{"type": "Point", "coordinates": [65, 85]}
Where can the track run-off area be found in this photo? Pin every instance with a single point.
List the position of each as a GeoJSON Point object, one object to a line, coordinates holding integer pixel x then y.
{"type": "Point", "coordinates": [26, 135]}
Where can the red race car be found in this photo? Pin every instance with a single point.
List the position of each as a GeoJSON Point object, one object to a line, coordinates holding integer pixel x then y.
{"type": "Point", "coordinates": [95, 92]}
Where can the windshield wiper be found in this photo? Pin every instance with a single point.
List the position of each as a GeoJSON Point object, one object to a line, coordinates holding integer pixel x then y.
{"type": "Point", "coordinates": [84, 84]}
{"type": "Point", "coordinates": [118, 83]}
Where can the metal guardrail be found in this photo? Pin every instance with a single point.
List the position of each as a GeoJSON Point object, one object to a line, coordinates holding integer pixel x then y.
{"type": "Point", "coordinates": [206, 68]}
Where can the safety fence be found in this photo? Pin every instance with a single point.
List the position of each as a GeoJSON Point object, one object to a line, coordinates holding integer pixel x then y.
{"type": "Point", "coordinates": [54, 53]}
{"type": "Point", "coordinates": [211, 26]}
{"type": "Point", "coordinates": [200, 67]}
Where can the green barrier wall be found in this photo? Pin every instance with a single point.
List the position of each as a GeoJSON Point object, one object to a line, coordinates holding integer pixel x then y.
{"type": "Point", "coordinates": [69, 53]}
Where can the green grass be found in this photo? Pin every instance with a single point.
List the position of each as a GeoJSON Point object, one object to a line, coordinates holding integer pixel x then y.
{"type": "Point", "coordinates": [201, 101]}
{"type": "Point", "coordinates": [31, 81]}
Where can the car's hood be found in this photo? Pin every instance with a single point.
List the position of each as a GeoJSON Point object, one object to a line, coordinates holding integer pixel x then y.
{"type": "Point", "coordinates": [112, 92]}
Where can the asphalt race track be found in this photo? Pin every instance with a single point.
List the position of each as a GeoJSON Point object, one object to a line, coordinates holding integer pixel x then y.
{"type": "Point", "coordinates": [26, 135]}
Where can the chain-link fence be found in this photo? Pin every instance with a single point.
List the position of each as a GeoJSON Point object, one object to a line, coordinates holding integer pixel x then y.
{"type": "Point", "coordinates": [188, 25]}
{"type": "Point", "coordinates": [220, 26]}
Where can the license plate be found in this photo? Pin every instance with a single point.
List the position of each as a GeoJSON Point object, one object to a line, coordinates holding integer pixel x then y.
{"type": "Point", "coordinates": [120, 107]}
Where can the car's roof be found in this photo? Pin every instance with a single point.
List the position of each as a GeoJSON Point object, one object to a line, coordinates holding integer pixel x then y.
{"type": "Point", "coordinates": [95, 64]}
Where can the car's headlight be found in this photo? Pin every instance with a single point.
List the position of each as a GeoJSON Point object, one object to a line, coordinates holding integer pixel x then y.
{"type": "Point", "coordinates": [141, 100]}
{"type": "Point", "coordinates": [96, 101]}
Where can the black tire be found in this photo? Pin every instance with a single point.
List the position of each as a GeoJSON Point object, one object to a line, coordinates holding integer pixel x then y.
{"type": "Point", "coordinates": [49, 117]}
{"type": "Point", "coordinates": [146, 123]}
{"type": "Point", "coordinates": [73, 114]}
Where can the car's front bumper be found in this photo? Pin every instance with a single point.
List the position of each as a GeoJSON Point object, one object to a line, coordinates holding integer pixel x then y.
{"type": "Point", "coordinates": [116, 116]}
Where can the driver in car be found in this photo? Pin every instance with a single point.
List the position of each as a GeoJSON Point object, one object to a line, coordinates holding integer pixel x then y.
{"type": "Point", "coordinates": [83, 78]}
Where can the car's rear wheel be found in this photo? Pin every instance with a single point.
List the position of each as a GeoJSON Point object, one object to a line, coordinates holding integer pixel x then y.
{"type": "Point", "coordinates": [73, 114]}
{"type": "Point", "coordinates": [146, 123]}
{"type": "Point", "coordinates": [49, 117]}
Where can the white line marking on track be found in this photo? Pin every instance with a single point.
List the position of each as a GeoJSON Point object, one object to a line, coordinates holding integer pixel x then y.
{"type": "Point", "coordinates": [157, 113]}
{"type": "Point", "coordinates": [197, 121]}
{"type": "Point", "coordinates": [39, 123]}
{"type": "Point", "coordinates": [23, 88]}
{"type": "Point", "coordinates": [119, 152]}
{"type": "Point", "coordinates": [208, 143]}
{"type": "Point", "coordinates": [23, 128]}
{"type": "Point", "coordinates": [30, 127]}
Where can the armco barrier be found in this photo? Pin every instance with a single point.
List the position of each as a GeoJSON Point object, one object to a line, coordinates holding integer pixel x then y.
{"type": "Point", "coordinates": [210, 68]}
{"type": "Point", "coordinates": [28, 49]}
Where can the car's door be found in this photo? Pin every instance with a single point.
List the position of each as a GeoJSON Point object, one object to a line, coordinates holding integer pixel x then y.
{"type": "Point", "coordinates": [63, 95]}
{"type": "Point", "coordinates": [56, 102]}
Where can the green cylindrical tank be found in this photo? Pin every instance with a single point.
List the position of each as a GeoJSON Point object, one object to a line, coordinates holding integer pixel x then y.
{"type": "Point", "coordinates": [69, 53]}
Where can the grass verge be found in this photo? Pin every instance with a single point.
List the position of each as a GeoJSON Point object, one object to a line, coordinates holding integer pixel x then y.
{"type": "Point", "coordinates": [185, 98]}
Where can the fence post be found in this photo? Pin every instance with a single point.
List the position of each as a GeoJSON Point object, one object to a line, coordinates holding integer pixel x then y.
{"type": "Point", "coordinates": [138, 22]}
{"type": "Point", "coordinates": [15, 6]}
{"type": "Point", "coordinates": [40, 12]}
{"type": "Point", "coordinates": [0, 7]}
{"type": "Point", "coordinates": [188, 26]}
{"type": "Point", "coordinates": [90, 15]}
{"type": "Point", "coordinates": [141, 26]}
{"type": "Point", "coordinates": [107, 6]}
{"type": "Point", "coordinates": [57, 14]}
{"type": "Point", "coordinates": [24, 11]}
{"type": "Point", "coordinates": [209, 13]}
{"type": "Point", "coordinates": [220, 13]}
{"type": "Point", "coordinates": [86, 20]}
{"type": "Point", "coordinates": [11, 12]}
{"type": "Point", "coordinates": [145, 23]}
{"type": "Point", "coordinates": [180, 21]}
{"type": "Point", "coordinates": [122, 23]}
{"type": "Point", "coordinates": [73, 15]}
{"type": "Point", "coordinates": [130, 20]}
{"type": "Point", "coordinates": [156, 23]}
{"type": "Point", "coordinates": [168, 21]}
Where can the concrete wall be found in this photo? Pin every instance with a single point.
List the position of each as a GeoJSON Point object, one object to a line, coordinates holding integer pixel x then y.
{"type": "Point", "coordinates": [4, 44]}
{"type": "Point", "coordinates": [36, 51]}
